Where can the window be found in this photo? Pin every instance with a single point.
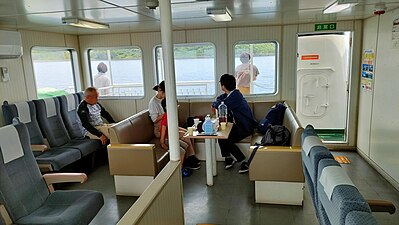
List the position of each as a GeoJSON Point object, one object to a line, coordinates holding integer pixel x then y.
{"type": "Point", "coordinates": [54, 73]}
{"type": "Point", "coordinates": [118, 71]}
{"type": "Point", "coordinates": [256, 67]}
{"type": "Point", "coordinates": [194, 66]}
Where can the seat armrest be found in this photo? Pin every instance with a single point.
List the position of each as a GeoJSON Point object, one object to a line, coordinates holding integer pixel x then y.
{"type": "Point", "coordinates": [381, 206]}
{"type": "Point", "coordinates": [39, 148]}
{"type": "Point", "coordinates": [4, 214]}
{"type": "Point", "coordinates": [53, 178]}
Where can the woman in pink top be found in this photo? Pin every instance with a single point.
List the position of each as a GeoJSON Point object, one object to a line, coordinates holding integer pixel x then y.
{"type": "Point", "coordinates": [243, 73]}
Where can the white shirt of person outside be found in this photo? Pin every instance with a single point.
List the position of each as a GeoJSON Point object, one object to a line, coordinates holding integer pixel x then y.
{"type": "Point", "coordinates": [102, 80]}
{"type": "Point", "coordinates": [243, 73]}
{"type": "Point", "coordinates": [155, 108]}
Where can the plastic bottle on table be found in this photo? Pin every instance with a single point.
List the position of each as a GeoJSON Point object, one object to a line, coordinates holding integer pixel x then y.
{"type": "Point", "coordinates": [207, 126]}
{"type": "Point", "coordinates": [222, 112]}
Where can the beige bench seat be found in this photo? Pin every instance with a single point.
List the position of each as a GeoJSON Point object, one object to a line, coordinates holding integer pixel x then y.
{"type": "Point", "coordinates": [135, 155]}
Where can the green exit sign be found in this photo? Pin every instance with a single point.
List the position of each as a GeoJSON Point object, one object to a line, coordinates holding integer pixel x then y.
{"type": "Point", "coordinates": [325, 26]}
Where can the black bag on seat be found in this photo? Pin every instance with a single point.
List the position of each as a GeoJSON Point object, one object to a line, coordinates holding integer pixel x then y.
{"type": "Point", "coordinates": [277, 135]}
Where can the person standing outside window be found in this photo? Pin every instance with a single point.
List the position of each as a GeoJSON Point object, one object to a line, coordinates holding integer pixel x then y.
{"type": "Point", "coordinates": [90, 113]}
{"type": "Point", "coordinates": [242, 118]}
{"type": "Point", "coordinates": [244, 73]}
{"type": "Point", "coordinates": [155, 108]}
{"type": "Point", "coordinates": [102, 80]}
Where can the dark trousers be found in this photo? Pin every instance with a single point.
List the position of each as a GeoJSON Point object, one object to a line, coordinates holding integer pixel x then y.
{"type": "Point", "coordinates": [228, 146]}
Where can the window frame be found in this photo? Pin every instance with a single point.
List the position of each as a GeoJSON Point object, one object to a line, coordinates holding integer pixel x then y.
{"type": "Point", "coordinates": [277, 65]}
{"type": "Point", "coordinates": [74, 58]}
{"type": "Point", "coordinates": [189, 97]}
{"type": "Point", "coordinates": [91, 78]}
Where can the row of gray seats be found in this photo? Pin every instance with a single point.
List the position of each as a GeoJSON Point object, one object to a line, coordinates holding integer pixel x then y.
{"type": "Point", "coordinates": [336, 199]}
{"type": "Point", "coordinates": [53, 122]}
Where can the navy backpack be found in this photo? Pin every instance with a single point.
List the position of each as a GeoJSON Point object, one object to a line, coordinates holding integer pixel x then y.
{"type": "Point", "coordinates": [275, 116]}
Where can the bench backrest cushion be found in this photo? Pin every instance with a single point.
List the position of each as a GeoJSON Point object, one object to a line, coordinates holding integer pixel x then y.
{"type": "Point", "coordinates": [137, 129]}
{"type": "Point", "coordinates": [26, 112]}
{"type": "Point", "coordinates": [292, 123]}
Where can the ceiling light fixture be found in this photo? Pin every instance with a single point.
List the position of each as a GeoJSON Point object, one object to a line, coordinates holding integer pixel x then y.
{"type": "Point", "coordinates": [339, 5]}
{"type": "Point", "coordinates": [219, 15]}
{"type": "Point", "coordinates": [84, 23]}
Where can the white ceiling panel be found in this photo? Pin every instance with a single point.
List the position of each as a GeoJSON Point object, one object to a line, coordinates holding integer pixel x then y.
{"type": "Point", "coordinates": [134, 16]}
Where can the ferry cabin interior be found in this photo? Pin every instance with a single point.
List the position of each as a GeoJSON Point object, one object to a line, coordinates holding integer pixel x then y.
{"type": "Point", "coordinates": [337, 71]}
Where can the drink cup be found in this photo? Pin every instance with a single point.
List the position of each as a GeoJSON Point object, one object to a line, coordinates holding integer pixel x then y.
{"type": "Point", "coordinates": [190, 131]}
{"type": "Point", "coordinates": [196, 121]}
{"type": "Point", "coordinates": [223, 125]}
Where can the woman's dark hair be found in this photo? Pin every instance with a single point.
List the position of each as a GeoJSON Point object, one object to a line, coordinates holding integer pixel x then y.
{"type": "Point", "coordinates": [229, 81]}
{"type": "Point", "coordinates": [160, 86]}
{"type": "Point", "coordinates": [163, 104]}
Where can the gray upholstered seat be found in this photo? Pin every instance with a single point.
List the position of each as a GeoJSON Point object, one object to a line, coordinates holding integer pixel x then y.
{"type": "Point", "coordinates": [24, 192]}
{"type": "Point", "coordinates": [53, 128]}
{"type": "Point", "coordinates": [363, 218]}
{"type": "Point", "coordinates": [26, 112]}
{"type": "Point", "coordinates": [344, 199]}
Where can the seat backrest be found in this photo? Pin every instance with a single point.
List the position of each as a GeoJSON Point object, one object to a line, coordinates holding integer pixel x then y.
{"type": "Point", "coordinates": [50, 121]}
{"type": "Point", "coordinates": [336, 193]}
{"type": "Point", "coordinates": [137, 129]}
{"type": "Point", "coordinates": [22, 188]}
{"type": "Point", "coordinates": [294, 126]}
{"type": "Point", "coordinates": [313, 151]}
{"type": "Point", "coordinates": [69, 106]}
{"type": "Point", "coordinates": [26, 112]}
{"type": "Point", "coordinates": [80, 96]}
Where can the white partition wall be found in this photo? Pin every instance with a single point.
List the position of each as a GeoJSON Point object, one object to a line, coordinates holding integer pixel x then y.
{"type": "Point", "coordinates": [385, 121]}
{"type": "Point", "coordinates": [378, 109]}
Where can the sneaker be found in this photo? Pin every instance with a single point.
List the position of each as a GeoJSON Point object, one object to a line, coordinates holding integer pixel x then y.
{"type": "Point", "coordinates": [195, 160]}
{"type": "Point", "coordinates": [243, 168]}
{"type": "Point", "coordinates": [190, 163]}
{"type": "Point", "coordinates": [185, 172]}
{"type": "Point", "coordinates": [228, 163]}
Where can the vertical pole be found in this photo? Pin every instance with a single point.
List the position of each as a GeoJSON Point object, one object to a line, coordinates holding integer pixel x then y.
{"type": "Point", "coordinates": [170, 81]}
{"type": "Point", "coordinates": [251, 71]}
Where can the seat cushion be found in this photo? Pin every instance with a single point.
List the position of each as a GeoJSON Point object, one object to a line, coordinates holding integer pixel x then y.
{"type": "Point", "coordinates": [356, 217]}
{"type": "Point", "coordinates": [58, 157]}
{"type": "Point", "coordinates": [85, 146]}
{"type": "Point", "coordinates": [66, 207]}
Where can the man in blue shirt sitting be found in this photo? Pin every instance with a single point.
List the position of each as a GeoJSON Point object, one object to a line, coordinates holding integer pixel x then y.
{"type": "Point", "coordinates": [243, 121]}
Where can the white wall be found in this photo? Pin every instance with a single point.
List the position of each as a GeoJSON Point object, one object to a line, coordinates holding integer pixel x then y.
{"type": "Point", "coordinates": [21, 86]}
{"type": "Point", "coordinates": [366, 97]}
{"type": "Point", "coordinates": [382, 104]}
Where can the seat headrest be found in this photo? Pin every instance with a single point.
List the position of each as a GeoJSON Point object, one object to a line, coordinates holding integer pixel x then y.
{"type": "Point", "coordinates": [309, 142]}
{"type": "Point", "coordinates": [23, 112]}
{"type": "Point", "coordinates": [71, 102]}
{"type": "Point", "coordinates": [10, 144]}
{"type": "Point", "coordinates": [50, 107]}
{"type": "Point", "coordinates": [331, 177]}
